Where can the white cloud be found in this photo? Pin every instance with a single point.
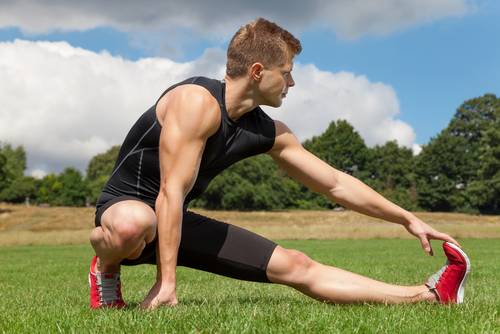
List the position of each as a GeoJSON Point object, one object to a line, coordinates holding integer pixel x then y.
{"type": "Point", "coordinates": [66, 104]}
{"type": "Point", "coordinates": [350, 19]}
{"type": "Point", "coordinates": [320, 97]}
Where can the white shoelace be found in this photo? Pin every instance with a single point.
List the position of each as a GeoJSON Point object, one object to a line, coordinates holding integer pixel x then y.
{"type": "Point", "coordinates": [108, 287]}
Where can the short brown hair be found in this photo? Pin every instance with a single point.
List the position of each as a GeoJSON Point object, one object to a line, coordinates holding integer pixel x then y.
{"type": "Point", "coordinates": [260, 41]}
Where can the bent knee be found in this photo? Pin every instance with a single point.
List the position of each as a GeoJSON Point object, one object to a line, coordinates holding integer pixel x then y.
{"type": "Point", "coordinates": [130, 224]}
{"type": "Point", "coordinates": [136, 253]}
{"type": "Point", "coordinates": [289, 266]}
{"type": "Point", "coordinates": [127, 231]}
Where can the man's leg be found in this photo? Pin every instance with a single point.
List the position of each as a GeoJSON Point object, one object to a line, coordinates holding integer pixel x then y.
{"type": "Point", "coordinates": [325, 283]}
{"type": "Point", "coordinates": [126, 227]}
{"type": "Point", "coordinates": [211, 245]}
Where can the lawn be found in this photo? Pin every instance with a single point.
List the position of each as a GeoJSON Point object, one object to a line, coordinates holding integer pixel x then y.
{"type": "Point", "coordinates": [44, 289]}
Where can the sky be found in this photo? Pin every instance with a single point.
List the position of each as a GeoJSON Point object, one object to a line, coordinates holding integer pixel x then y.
{"type": "Point", "coordinates": [75, 75]}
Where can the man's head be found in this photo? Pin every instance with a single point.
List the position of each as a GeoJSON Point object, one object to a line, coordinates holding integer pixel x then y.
{"type": "Point", "coordinates": [263, 51]}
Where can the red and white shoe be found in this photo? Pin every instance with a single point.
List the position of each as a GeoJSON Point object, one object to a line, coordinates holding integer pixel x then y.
{"type": "Point", "coordinates": [449, 282]}
{"type": "Point", "coordinates": [105, 288]}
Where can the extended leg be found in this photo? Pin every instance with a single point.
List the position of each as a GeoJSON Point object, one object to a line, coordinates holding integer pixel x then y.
{"type": "Point", "coordinates": [322, 282]}
{"type": "Point", "coordinates": [217, 247]}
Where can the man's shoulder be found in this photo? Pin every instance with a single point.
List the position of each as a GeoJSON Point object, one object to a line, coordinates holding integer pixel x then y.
{"type": "Point", "coordinates": [198, 88]}
{"type": "Point", "coordinates": [188, 102]}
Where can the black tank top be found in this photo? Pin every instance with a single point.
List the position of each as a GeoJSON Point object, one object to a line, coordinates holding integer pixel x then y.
{"type": "Point", "coordinates": [137, 169]}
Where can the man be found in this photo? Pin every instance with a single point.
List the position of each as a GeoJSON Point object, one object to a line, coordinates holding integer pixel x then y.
{"type": "Point", "coordinates": [198, 128]}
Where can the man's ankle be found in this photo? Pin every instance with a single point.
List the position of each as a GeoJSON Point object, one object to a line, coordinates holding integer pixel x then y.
{"type": "Point", "coordinates": [101, 267]}
{"type": "Point", "coordinates": [429, 296]}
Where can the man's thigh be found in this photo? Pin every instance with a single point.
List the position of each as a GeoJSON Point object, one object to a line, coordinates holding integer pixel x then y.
{"type": "Point", "coordinates": [217, 247]}
{"type": "Point", "coordinates": [126, 216]}
{"type": "Point", "coordinates": [214, 246]}
{"type": "Point", "coordinates": [123, 208]}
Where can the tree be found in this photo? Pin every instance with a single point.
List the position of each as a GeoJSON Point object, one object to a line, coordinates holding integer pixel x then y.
{"type": "Point", "coordinates": [449, 164]}
{"type": "Point", "coordinates": [20, 189]}
{"type": "Point", "coordinates": [340, 146]}
{"type": "Point", "coordinates": [99, 170]}
{"type": "Point", "coordinates": [102, 164]}
{"type": "Point", "coordinates": [15, 160]}
{"type": "Point", "coordinates": [73, 190]}
{"type": "Point", "coordinates": [12, 170]}
{"type": "Point", "coordinates": [252, 184]}
{"type": "Point", "coordinates": [49, 189]}
{"type": "Point", "coordinates": [66, 189]}
{"type": "Point", "coordinates": [3, 171]}
{"type": "Point", "coordinates": [390, 171]}
{"type": "Point", "coordinates": [485, 191]}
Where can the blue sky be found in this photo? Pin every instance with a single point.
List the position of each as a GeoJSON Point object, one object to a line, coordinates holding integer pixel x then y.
{"type": "Point", "coordinates": [431, 64]}
{"type": "Point", "coordinates": [433, 67]}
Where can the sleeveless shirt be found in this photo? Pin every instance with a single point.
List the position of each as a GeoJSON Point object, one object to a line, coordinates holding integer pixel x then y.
{"type": "Point", "coordinates": [137, 169]}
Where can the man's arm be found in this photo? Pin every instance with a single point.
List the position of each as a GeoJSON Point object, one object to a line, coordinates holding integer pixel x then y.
{"type": "Point", "coordinates": [191, 116]}
{"type": "Point", "coordinates": [342, 188]}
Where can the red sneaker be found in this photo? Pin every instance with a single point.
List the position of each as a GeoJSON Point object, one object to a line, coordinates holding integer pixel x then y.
{"type": "Point", "coordinates": [105, 289]}
{"type": "Point", "coordinates": [448, 283]}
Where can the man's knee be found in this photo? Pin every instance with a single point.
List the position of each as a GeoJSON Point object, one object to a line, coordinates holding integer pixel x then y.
{"type": "Point", "coordinates": [289, 266]}
{"type": "Point", "coordinates": [130, 224]}
{"type": "Point", "coordinates": [133, 226]}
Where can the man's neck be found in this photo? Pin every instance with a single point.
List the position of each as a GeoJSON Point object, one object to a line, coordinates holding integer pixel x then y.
{"type": "Point", "coordinates": [239, 98]}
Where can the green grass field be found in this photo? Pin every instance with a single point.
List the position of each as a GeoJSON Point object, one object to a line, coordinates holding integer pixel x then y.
{"type": "Point", "coordinates": [44, 289]}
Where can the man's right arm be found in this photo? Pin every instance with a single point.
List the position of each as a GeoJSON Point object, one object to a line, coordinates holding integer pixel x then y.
{"type": "Point", "coordinates": [191, 116]}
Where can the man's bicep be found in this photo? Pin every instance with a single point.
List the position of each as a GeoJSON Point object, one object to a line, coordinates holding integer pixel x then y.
{"type": "Point", "coordinates": [180, 157]}
{"type": "Point", "coordinates": [191, 117]}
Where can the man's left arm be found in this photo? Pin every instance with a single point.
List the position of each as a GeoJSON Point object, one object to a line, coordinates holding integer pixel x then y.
{"type": "Point", "coordinates": [344, 189]}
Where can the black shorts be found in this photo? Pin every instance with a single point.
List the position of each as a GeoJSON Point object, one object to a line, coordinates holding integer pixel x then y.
{"type": "Point", "coordinates": [210, 245]}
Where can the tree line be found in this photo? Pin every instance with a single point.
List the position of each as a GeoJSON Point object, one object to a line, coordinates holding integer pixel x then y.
{"type": "Point", "coordinates": [458, 170]}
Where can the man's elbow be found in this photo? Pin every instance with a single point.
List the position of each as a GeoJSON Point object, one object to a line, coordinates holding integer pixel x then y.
{"type": "Point", "coordinates": [171, 192]}
{"type": "Point", "coordinates": [335, 185]}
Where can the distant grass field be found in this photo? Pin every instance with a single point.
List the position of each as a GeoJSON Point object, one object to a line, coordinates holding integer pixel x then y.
{"type": "Point", "coordinates": [21, 225]}
{"type": "Point", "coordinates": [44, 290]}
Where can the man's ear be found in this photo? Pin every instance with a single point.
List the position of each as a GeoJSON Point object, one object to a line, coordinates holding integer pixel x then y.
{"type": "Point", "coordinates": [256, 71]}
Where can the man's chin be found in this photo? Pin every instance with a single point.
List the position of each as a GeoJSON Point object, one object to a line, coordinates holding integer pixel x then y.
{"type": "Point", "coordinates": [274, 104]}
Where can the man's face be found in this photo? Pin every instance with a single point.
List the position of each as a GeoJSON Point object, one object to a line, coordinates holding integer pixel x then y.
{"type": "Point", "coordinates": [275, 83]}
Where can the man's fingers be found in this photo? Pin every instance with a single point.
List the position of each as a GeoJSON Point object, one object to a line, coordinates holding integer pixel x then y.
{"type": "Point", "coordinates": [146, 305]}
{"type": "Point", "coordinates": [426, 245]}
{"type": "Point", "coordinates": [445, 237]}
{"type": "Point", "coordinates": [155, 303]}
{"type": "Point", "coordinates": [453, 241]}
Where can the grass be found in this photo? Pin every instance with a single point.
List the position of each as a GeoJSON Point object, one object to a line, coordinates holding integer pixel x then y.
{"type": "Point", "coordinates": [21, 225]}
{"type": "Point", "coordinates": [44, 290]}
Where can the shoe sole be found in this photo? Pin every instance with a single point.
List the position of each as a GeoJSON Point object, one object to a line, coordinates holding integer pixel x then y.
{"type": "Point", "coordinates": [460, 294]}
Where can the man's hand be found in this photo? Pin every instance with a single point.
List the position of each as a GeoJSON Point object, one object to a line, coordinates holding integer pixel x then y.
{"type": "Point", "coordinates": [425, 233]}
{"type": "Point", "coordinates": [159, 295]}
